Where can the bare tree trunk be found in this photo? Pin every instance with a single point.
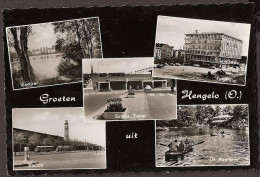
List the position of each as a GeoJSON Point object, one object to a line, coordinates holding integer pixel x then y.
{"type": "Point", "coordinates": [87, 37]}
{"type": "Point", "coordinates": [21, 48]}
{"type": "Point", "coordinates": [28, 71]}
{"type": "Point", "coordinates": [88, 26]}
{"type": "Point", "coordinates": [79, 38]}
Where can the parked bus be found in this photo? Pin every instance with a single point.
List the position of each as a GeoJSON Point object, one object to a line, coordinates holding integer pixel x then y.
{"type": "Point", "coordinates": [44, 149]}
{"type": "Point", "coordinates": [63, 148]}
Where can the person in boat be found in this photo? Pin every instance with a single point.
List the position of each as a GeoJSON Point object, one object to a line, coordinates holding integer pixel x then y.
{"type": "Point", "coordinates": [173, 146]}
{"type": "Point", "coordinates": [186, 142]}
{"type": "Point", "coordinates": [222, 132]}
{"type": "Point", "coordinates": [181, 146]}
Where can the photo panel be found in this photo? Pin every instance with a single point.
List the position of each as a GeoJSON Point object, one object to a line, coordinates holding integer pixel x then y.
{"type": "Point", "coordinates": [55, 139]}
{"type": "Point", "coordinates": [50, 53]}
{"type": "Point", "coordinates": [204, 135]}
{"type": "Point", "coordinates": [124, 89]}
{"type": "Point", "coordinates": [201, 50]}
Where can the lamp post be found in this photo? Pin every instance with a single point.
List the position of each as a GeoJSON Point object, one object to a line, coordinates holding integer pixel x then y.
{"type": "Point", "coordinates": [98, 68]}
{"type": "Point", "coordinates": [183, 59]}
{"type": "Point", "coordinates": [96, 148]}
{"type": "Point", "coordinates": [85, 144]}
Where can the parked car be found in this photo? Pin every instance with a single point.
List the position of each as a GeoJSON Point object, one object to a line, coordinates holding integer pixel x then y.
{"type": "Point", "coordinates": [209, 76]}
{"type": "Point", "coordinates": [171, 64]}
{"type": "Point", "coordinates": [160, 66]}
{"type": "Point", "coordinates": [165, 64]}
{"type": "Point", "coordinates": [177, 64]}
{"type": "Point", "coordinates": [196, 65]}
{"type": "Point", "coordinates": [147, 88]}
{"type": "Point", "coordinates": [221, 72]}
{"type": "Point", "coordinates": [212, 67]}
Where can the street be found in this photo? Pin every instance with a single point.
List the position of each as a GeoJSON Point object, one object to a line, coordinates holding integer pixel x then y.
{"type": "Point", "coordinates": [157, 104]}
{"type": "Point", "coordinates": [68, 160]}
{"type": "Point", "coordinates": [195, 73]}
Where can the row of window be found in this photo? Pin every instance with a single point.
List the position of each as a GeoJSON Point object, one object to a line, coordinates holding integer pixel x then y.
{"type": "Point", "coordinates": [204, 36]}
{"type": "Point", "coordinates": [205, 47]}
{"type": "Point", "coordinates": [201, 52]}
{"type": "Point", "coordinates": [230, 55]}
{"type": "Point", "coordinates": [202, 41]}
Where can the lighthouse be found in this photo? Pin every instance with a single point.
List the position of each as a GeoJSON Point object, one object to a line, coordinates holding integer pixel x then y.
{"type": "Point", "coordinates": [66, 130]}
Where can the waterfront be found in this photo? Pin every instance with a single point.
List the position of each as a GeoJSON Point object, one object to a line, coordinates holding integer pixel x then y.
{"type": "Point", "coordinates": [45, 66]}
{"type": "Point", "coordinates": [227, 150]}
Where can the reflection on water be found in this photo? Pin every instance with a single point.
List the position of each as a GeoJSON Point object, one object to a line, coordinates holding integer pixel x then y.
{"type": "Point", "coordinates": [45, 66]}
{"type": "Point", "coordinates": [219, 150]}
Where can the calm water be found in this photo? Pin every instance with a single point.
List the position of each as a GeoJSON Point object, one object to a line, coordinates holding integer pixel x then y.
{"type": "Point", "coordinates": [234, 147]}
{"type": "Point", "coordinates": [45, 66]}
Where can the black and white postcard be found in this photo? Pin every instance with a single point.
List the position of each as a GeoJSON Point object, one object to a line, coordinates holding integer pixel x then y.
{"type": "Point", "coordinates": [166, 87]}
{"type": "Point", "coordinates": [124, 89]}
{"type": "Point", "coordinates": [204, 135]}
{"type": "Point", "coordinates": [57, 138]}
{"type": "Point", "coordinates": [201, 50]}
{"type": "Point", "coordinates": [51, 53]}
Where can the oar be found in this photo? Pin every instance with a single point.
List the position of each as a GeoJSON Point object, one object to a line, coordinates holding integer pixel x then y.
{"type": "Point", "coordinates": [198, 143]}
{"type": "Point", "coordinates": [164, 145]}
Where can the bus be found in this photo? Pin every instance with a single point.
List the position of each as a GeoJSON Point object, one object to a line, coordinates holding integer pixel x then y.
{"type": "Point", "coordinates": [63, 148]}
{"type": "Point", "coordinates": [44, 149]}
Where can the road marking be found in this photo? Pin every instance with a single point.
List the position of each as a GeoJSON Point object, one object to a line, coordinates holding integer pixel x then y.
{"type": "Point", "coordinates": [151, 94]}
{"type": "Point", "coordinates": [170, 94]}
{"type": "Point", "coordinates": [160, 94]}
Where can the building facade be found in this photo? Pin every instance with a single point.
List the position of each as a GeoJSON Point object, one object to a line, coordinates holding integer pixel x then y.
{"type": "Point", "coordinates": [163, 51]}
{"type": "Point", "coordinates": [43, 50]}
{"type": "Point", "coordinates": [212, 49]}
{"type": "Point", "coordinates": [23, 138]}
{"type": "Point", "coordinates": [121, 81]}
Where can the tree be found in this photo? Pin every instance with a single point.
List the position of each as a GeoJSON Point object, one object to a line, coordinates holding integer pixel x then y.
{"type": "Point", "coordinates": [19, 139]}
{"type": "Point", "coordinates": [240, 112]}
{"type": "Point", "coordinates": [209, 111]}
{"type": "Point", "coordinates": [201, 113]}
{"type": "Point", "coordinates": [80, 35]}
{"type": "Point", "coordinates": [80, 39]}
{"type": "Point", "coordinates": [186, 114]}
{"type": "Point", "coordinates": [217, 110]}
{"type": "Point", "coordinates": [34, 139]}
{"type": "Point", "coordinates": [227, 110]}
{"type": "Point", "coordinates": [19, 37]}
{"type": "Point", "coordinates": [46, 141]}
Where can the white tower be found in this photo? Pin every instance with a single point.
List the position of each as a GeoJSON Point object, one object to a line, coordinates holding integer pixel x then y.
{"type": "Point", "coordinates": [66, 130]}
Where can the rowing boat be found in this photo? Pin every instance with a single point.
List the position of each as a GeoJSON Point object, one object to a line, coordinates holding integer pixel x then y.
{"type": "Point", "coordinates": [172, 155]}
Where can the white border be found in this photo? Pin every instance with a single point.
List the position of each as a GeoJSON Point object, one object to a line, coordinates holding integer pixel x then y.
{"type": "Point", "coordinates": [56, 168]}
{"type": "Point", "coordinates": [93, 120]}
{"type": "Point", "coordinates": [199, 80]}
{"type": "Point", "coordinates": [7, 40]}
{"type": "Point", "coordinates": [205, 165]}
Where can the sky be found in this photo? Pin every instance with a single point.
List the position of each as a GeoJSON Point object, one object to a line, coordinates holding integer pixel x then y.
{"type": "Point", "coordinates": [51, 121]}
{"type": "Point", "coordinates": [116, 65]}
{"type": "Point", "coordinates": [43, 36]}
{"type": "Point", "coordinates": [171, 30]}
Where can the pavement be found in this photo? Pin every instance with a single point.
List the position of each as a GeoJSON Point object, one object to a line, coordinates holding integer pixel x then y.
{"type": "Point", "coordinates": [23, 163]}
{"type": "Point", "coordinates": [155, 104]}
{"type": "Point", "coordinates": [93, 101]}
{"type": "Point", "coordinates": [69, 160]}
{"type": "Point", "coordinates": [195, 73]}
